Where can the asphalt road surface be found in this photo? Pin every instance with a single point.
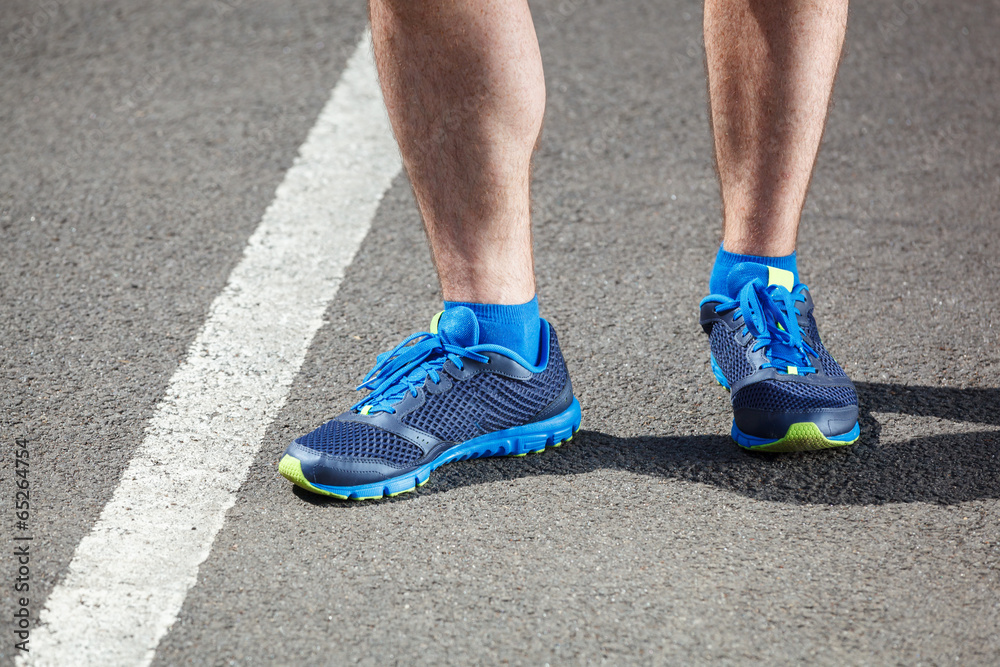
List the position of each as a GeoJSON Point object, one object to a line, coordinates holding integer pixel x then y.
{"type": "Point", "coordinates": [142, 144]}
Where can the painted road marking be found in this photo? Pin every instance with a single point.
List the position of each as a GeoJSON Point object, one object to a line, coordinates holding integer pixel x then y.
{"type": "Point", "coordinates": [130, 575]}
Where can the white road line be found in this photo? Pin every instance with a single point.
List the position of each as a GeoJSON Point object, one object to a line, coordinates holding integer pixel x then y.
{"type": "Point", "coordinates": [130, 575]}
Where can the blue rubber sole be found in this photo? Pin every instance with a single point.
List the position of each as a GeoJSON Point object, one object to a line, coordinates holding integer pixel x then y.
{"type": "Point", "coordinates": [805, 436]}
{"type": "Point", "coordinates": [518, 441]}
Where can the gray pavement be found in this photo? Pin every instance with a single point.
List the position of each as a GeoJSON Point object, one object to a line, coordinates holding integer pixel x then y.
{"type": "Point", "coordinates": [141, 145]}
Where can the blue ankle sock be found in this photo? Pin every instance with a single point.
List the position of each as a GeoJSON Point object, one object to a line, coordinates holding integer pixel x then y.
{"type": "Point", "coordinates": [725, 261]}
{"type": "Point", "coordinates": [517, 328]}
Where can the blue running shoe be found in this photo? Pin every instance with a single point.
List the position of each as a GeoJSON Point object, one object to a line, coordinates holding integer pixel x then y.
{"type": "Point", "coordinates": [438, 397]}
{"type": "Point", "coordinates": [788, 394]}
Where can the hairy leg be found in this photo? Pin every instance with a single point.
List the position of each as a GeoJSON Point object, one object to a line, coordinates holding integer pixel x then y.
{"type": "Point", "coordinates": [464, 89]}
{"type": "Point", "coordinates": [771, 67]}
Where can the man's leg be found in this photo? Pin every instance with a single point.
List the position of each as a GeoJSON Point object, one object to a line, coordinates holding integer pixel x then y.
{"type": "Point", "coordinates": [771, 67]}
{"type": "Point", "coordinates": [463, 85]}
{"type": "Point", "coordinates": [464, 88]}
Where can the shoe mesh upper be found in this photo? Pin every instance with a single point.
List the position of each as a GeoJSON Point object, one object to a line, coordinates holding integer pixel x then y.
{"type": "Point", "coordinates": [357, 440]}
{"type": "Point", "coordinates": [489, 402]}
{"type": "Point", "coordinates": [830, 367]}
{"type": "Point", "coordinates": [730, 355]}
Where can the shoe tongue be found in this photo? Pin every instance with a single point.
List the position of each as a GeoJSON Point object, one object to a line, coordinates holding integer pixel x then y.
{"type": "Point", "coordinates": [457, 326]}
{"type": "Point", "coordinates": [745, 272]}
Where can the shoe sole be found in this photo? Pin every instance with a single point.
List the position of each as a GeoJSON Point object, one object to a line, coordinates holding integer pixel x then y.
{"type": "Point", "coordinates": [800, 437]}
{"type": "Point", "coordinates": [518, 441]}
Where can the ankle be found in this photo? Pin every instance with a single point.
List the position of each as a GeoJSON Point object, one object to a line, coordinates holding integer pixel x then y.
{"type": "Point", "coordinates": [725, 261]}
{"type": "Point", "coordinates": [515, 327]}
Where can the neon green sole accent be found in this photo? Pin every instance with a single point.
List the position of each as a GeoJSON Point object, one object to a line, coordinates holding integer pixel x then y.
{"type": "Point", "coordinates": [802, 437]}
{"type": "Point", "coordinates": [291, 469]}
{"type": "Point", "coordinates": [563, 442]}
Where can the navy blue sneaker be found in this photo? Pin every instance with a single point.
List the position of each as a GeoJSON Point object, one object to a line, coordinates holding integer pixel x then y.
{"type": "Point", "coordinates": [787, 392]}
{"type": "Point", "coordinates": [438, 397]}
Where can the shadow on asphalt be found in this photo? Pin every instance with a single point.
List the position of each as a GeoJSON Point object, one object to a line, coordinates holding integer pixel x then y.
{"type": "Point", "coordinates": [943, 469]}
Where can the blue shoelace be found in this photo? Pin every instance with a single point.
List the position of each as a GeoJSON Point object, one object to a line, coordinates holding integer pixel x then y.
{"type": "Point", "coordinates": [769, 313]}
{"type": "Point", "coordinates": [405, 367]}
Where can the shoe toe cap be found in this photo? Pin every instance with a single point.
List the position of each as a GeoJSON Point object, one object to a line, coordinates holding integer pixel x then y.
{"type": "Point", "coordinates": [767, 409]}
{"type": "Point", "coordinates": [342, 453]}
{"type": "Point", "coordinates": [340, 471]}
